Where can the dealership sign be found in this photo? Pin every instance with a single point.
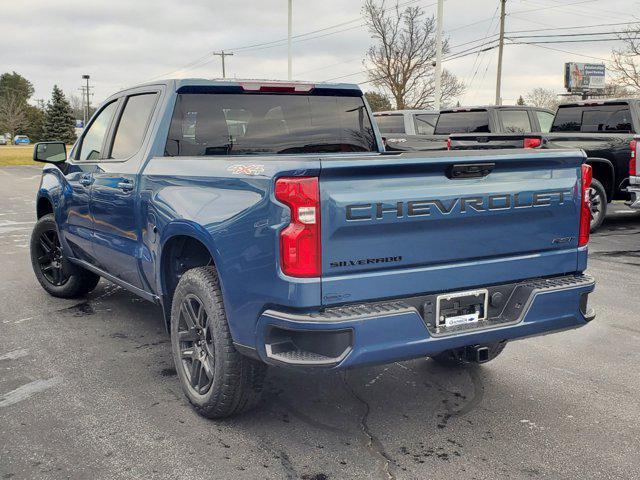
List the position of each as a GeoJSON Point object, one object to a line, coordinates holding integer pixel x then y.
{"type": "Point", "coordinates": [584, 77]}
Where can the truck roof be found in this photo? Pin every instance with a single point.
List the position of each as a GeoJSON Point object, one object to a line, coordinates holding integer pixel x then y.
{"type": "Point", "coordinates": [490, 107]}
{"type": "Point", "coordinates": [178, 83]}
{"type": "Point", "coordinates": [596, 101]}
{"type": "Point", "coordinates": [399, 112]}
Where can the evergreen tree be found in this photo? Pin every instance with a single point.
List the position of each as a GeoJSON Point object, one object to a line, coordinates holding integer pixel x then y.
{"type": "Point", "coordinates": [59, 124]}
{"type": "Point", "coordinates": [378, 101]}
{"type": "Point", "coordinates": [520, 100]}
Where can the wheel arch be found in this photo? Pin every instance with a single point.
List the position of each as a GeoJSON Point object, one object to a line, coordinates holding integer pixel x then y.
{"type": "Point", "coordinates": [604, 172]}
{"type": "Point", "coordinates": [184, 245]}
{"type": "Point", "coordinates": [44, 206]}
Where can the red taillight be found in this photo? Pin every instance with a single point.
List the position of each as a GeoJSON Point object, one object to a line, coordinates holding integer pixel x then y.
{"type": "Point", "coordinates": [585, 207]}
{"type": "Point", "coordinates": [532, 142]}
{"type": "Point", "coordinates": [634, 158]}
{"type": "Point", "coordinates": [300, 244]}
{"type": "Point", "coordinates": [448, 143]}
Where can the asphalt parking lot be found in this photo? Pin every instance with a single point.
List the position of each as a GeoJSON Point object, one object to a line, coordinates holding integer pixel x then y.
{"type": "Point", "coordinates": [88, 390]}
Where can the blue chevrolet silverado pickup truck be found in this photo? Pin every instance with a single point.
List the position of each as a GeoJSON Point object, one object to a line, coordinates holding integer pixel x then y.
{"type": "Point", "coordinates": [272, 227]}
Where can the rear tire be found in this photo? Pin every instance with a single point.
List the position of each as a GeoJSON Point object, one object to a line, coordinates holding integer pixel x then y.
{"type": "Point", "coordinates": [598, 198]}
{"type": "Point", "coordinates": [218, 381]}
{"type": "Point", "coordinates": [57, 275]}
{"type": "Point", "coordinates": [457, 356]}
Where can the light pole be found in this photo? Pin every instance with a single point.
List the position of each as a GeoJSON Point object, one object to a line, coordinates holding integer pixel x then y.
{"type": "Point", "coordinates": [500, 48]}
{"type": "Point", "coordinates": [438, 80]}
{"type": "Point", "coordinates": [289, 25]}
{"type": "Point", "coordinates": [87, 116]}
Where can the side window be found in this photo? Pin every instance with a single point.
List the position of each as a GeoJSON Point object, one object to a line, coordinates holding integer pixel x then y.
{"type": "Point", "coordinates": [515, 121]}
{"type": "Point", "coordinates": [425, 123]}
{"type": "Point", "coordinates": [94, 137]}
{"type": "Point", "coordinates": [545, 119]}
{"type": "Point", "coordinates": [390, 123]}
{"type": "Point", "coordinates": [133, 125]}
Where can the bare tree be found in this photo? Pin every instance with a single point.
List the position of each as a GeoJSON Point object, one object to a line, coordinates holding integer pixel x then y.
{"type": "Point", "coordinates": [13, 113]}
{"type": "Point", "coordinates": [626, 60]}
{"type": "Point", "coordinates": [402, 60]}
{"type": "Point", "coordinates": [77, 105]}
{"type": "Point", "coordinates": [543, 98]}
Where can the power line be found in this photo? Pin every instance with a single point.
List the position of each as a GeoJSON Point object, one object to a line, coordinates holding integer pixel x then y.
{"type": "Point", "coordinates": [561, 50]}
{"type": "Point", "coordinates": [201, 61]}
{"type": "Point", "coordinates": [283, 41]}
{"type": "Point", "coordinates": [572, 27]}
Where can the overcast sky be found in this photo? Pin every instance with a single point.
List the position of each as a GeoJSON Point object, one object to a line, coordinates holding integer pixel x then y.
{"type": "Point", "coordinates": [124, 42]}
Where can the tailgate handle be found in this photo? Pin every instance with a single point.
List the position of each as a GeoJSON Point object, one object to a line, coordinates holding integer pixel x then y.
{"type": "Point", "coordinates": [469, 170]}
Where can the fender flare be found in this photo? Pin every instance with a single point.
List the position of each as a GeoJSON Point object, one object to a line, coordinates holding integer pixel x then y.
{"type": "Point", "coordinates": [184, 228]}
{"type": "Point", "coordinates": [604, 161]}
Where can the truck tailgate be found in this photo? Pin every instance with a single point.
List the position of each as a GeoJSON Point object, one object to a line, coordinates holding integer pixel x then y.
{"type": "Point", "coordinates": [418, 223]}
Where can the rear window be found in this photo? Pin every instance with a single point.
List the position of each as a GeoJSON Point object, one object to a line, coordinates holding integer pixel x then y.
{"type": "Point", "coordinates": [252, 124]}
{"type": "Point", "coordinates": [390, 123]}
{"type": "Point", "coordinates": [515, 121]}
{"type": "Point", "coordinates": [612, 118]}
{"type": "Point", "coordinates": [426, 123]}
{"type": "Point", "coordinates": [476, 121]}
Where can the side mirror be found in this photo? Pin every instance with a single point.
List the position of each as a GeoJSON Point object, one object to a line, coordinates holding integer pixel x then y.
{"type": "Point", "coordinates": [50, 152]}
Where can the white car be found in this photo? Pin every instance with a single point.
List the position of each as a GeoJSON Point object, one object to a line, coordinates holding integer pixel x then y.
{"type": "Point", "coordinates": [3, 140]}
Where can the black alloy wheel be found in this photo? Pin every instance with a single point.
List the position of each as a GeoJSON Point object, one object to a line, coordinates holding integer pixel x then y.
{"type": "Point", "coordinates": [197, 351]}
{"type": "Point", "coordinates": [597, 204]}
{"type": "Point", "coordinates": [50, 258]}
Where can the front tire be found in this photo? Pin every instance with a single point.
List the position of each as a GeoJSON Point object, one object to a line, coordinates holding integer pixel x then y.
{"type": "Point", "coordinates": [218, 381]}
{"type": "Point", "coordinates": [598, 199]}
{"type": "Point", "coordinates": [57, 275]}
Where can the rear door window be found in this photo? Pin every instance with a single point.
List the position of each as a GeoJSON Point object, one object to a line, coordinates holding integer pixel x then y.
{"type": "Point", "coordinates": [133, 125]}
{"type": "Point", "coordinates": [545, 119]}
{"type": "Point", "coordinates": [262, 124]}
{"type": "Point", "coordinates": [390, 123]}
{"type": "Point", "coordinates": [612, 118]}
{"type": "Point", "coordinates": [515, 121]}
{"type": "Point", "coordinates": [475, 121]}
{"type": "Point", "coordinates": [425, 123]}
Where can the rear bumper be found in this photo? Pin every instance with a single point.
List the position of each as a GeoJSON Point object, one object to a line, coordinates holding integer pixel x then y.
{"type": "Point", "coordinates": [384, 332]}
{"type": "Point", "coordinates": [634, 191]}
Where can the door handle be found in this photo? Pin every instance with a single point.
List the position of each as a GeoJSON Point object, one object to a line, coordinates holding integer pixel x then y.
{"type": "Point", "coordinates": [86, 180]}
{"type": "Point", "coordinates": [470, 170]}
{"type": "Point", "coordinates": [125, 185]}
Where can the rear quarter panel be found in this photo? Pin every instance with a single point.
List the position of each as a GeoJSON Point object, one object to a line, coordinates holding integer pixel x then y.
{"type": "Point", "coordinates": [228, 204]}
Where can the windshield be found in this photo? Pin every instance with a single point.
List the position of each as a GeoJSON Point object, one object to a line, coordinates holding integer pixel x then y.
{"type": "Point", "coordinates": [476, 121]}
{"type": "Point", "coordinates": [247, 123]}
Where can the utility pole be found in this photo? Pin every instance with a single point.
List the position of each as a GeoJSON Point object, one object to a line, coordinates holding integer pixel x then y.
{"type": "Point", "coordinates": [438, 80]}
{"type": "Point", "coordinates": [500, 48]}
{"type": "Point", "coordinates": [223, 54]}
{"type": "Point", "coordinates": [86, 89]}
{"type": "Point", "coordinates": [289, 28]}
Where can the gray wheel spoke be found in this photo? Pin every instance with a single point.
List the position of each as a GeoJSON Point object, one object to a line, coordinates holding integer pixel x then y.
{"type": "Point", "coordinates": [187, 335]}
{"type": "Point", "coordinates": [208, 368]}
{"type": "Point", "coordinates": [46, 244]}
{"type": "Point", "coordinates": [187, 315]}
{"type": "Point", "coordinates": [196, 368]}
{"type": "Point", "coordinates": [202, 314]}
{"type": "Point", "coordinates": [187, 353]}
